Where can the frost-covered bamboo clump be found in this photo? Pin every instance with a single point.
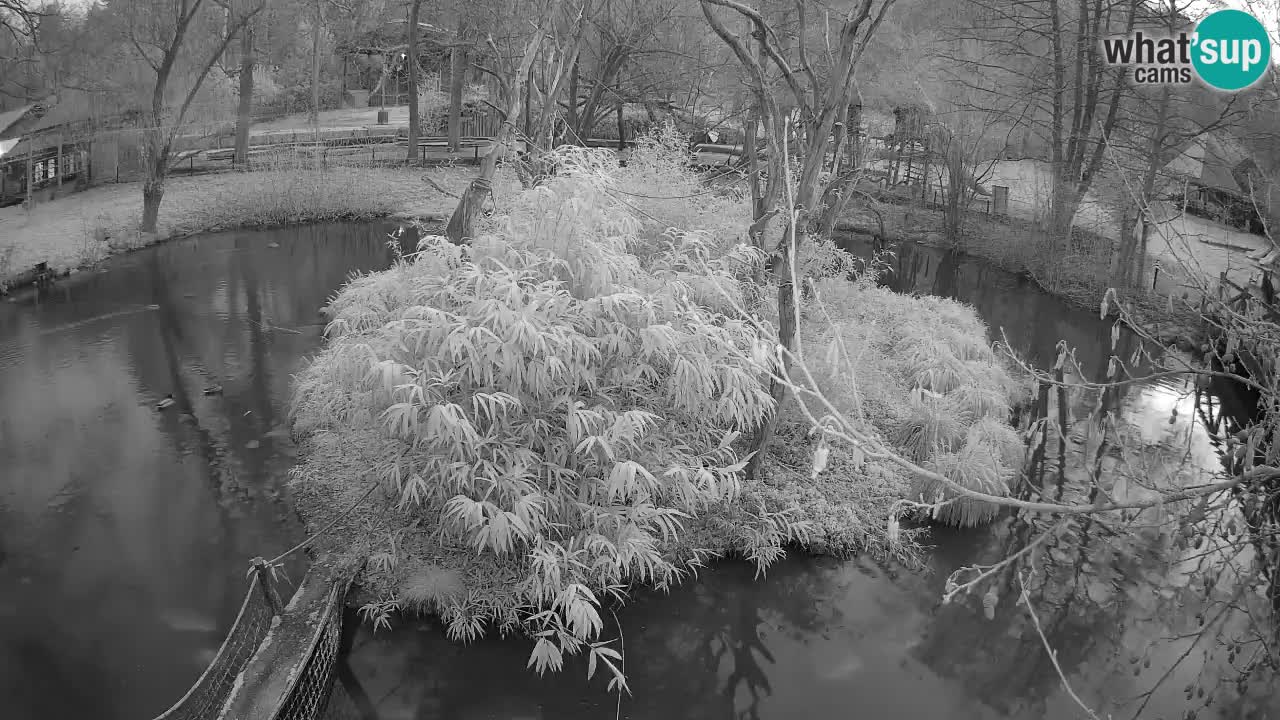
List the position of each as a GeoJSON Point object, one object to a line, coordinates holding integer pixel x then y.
{"type": "Point", "coordinates": [558, 409]}
{"type": "Point", "coordinates": [549, 404]}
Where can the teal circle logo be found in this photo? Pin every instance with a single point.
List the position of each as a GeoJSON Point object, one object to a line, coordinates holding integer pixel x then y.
{"type": "Point", "coordinates": [1232, 50]}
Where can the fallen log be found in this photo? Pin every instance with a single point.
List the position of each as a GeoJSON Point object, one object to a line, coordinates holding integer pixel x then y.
{"type": "Point", "coordinates": [890, 235]}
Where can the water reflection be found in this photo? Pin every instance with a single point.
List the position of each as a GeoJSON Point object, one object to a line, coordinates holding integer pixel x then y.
{"type": "Point", "coordinates": [820, 638]}
{"type": "Point", "coordinates": [824, 638]}
{"type": "Point", "coordinates": [124, 531]}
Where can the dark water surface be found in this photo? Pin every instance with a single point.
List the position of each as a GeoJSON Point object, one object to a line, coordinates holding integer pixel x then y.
{"type": "Point", "coordinates": [125, 532]}
{"type": "Point", "coordinates": [821, 638]}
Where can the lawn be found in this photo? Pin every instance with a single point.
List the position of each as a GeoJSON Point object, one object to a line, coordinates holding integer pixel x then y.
{"type": "Point", "coordinates": [85, 227]}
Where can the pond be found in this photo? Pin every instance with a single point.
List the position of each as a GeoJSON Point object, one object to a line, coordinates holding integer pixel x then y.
{"type": "Point", "coordinates": [124, 530]}
{"type": "Point", "coordinates": [824, 638]}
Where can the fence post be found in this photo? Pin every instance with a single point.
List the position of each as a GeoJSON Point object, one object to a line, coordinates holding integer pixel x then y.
{"type": "Point", "coordinates": [1059, 377]}
{"type": "Point", "coordinates": [264, 582]}
{"type": "Point", "coordinates": [31, 143]}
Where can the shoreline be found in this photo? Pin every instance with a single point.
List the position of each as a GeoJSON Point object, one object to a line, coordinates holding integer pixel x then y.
{"type": "Point", "coordinates": [79, 231]}
{"type": "Point", "coordinates": [1182, 329]}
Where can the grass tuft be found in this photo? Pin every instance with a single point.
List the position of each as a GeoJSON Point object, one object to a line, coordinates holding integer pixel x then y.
{"type": "Point", "coordinates": [996, 434]}
{"type": "Point", "coordinates": [930, 364]}
{"type": "Point", "coordinates": [432, 589]}
{"type": "Point", "coordinates": [977, 466]}
{"type": "Point", "coordinates": [932, 425]}
{"type": "Point", "coordinates": [978, 401]}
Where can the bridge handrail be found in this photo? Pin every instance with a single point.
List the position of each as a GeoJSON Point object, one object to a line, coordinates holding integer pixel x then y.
{"type": "Point", "coordinates": [236, 626]}
{"type": "Point", "coordinates": [328, 631]}
{"type": "Point", "coordinates": [256, 599]}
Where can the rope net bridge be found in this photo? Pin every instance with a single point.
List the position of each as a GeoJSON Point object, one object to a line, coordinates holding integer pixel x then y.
{"type": "Point", "coordinates": [277, 662]}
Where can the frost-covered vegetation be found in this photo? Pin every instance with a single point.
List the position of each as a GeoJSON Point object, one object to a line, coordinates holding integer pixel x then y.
{"type": "Point", "coordinates": [561, 409]}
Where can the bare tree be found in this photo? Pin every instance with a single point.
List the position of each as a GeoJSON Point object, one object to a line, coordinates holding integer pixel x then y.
{"type": "Point", "coordinates": [457, 79]}
{"type": "Point", "coordinates": [415, 6]}
{"type": "Point", "coordinates": [963, 164]}
{"type": "Point", "coordinates": [163, 33]}
{"type": "Point", "coordinates": [815, 96]}
{"type": "Point", "coordinates": [317, 26]}
{"type": "Point", "coordinates": [18, 18]}
{"type": "Point", "coordinates": [244, 110]}
{"type": "Point", "coordinates": [1159, 125]}
{"type": "Point", "coordinates": [1043, 63]}
{"type": "Point", "coordinates": [512, 81]}
{"type": "Point", "coordinates": [619, 31]}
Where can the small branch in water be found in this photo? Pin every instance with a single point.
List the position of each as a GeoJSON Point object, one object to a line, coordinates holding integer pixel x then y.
{"type": "Point", "coordinates": [269, 327]}
{"type": "Point", "coordinates": [1053, 654]}
{"type": "Point", "coordinates": [986, 571]}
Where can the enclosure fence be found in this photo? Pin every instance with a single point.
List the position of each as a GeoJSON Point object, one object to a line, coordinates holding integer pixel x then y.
{"type": "Point", "coordinates": [51, 162]}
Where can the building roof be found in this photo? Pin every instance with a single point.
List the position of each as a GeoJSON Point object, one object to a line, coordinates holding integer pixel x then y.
{"type": "Point", "coordinates": [12, 117]}
{"type": "Point", "coordinates": [1210, 160]}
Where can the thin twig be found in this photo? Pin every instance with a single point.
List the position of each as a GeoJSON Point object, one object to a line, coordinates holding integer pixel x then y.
{"type": "Point", "coordinates": [1053, 654]}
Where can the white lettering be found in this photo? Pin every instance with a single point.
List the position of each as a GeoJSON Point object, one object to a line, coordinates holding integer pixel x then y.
{"type": "Point", "coordinates": [1209, 50]}
{"type": "Point", "coordinates": [1230, 52]}
{"type": "Point", "coordinates": [1252, 54]}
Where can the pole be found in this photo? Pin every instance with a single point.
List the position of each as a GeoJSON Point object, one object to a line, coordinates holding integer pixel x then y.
{"type": "Point", "coordinates": [315, 70]}
{"type": "Point", "coordinates": [622, 140]}
{"type": "Point", "coordinates": [59, 166]}
{"type": "Point", "coordinates": [31, 143]}
{"type": "Point", "coordinates": [264, 582]}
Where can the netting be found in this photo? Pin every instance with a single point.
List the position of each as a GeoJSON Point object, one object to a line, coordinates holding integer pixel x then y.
{"type": "Point", "coordinates": [341, 706]}
{"type": "Point", "coordinates": [309, 694]}
{"type": "Point", "coordinates": [205, 698]}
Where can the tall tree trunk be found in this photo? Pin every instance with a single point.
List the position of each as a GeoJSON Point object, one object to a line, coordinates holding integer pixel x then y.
{"type": "Point", "coordinates": [461, 227]}
{"type": "Point", "coordinates": [244, 113]}
{"type": "Point", "coordinates": [315, 68]}
{"type": "Point", "coordinates": [457, 76]}
{"type": "Point", "coordinates": [414, 7]}
{"type": "Point", "coordinates": [571, 109]}
{"type": "Point", "coordinates": [528, 108]}
{"type": "Point", "coordinates": [753, 160]}
{"type": "Point", "coordinates": [342, 94]}
{"type": "Point", "coordinates": [152, 194]}
{"type": "Point", "coordinates": [1063, 205]}
{"type": "Point", "coordinates": [622, 130]}
{"type": "Point", "coordinates": [1127, 269]}
{"type": "Point", "coordinates": [156, 146]}
{"type": "Point", "coordinates": [854, 131]}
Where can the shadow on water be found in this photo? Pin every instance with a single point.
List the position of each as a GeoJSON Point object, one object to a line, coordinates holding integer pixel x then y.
{"type": "Point", "coordinates": [821, 638]}
{"type": "Point", "coordinates": [125, 531]}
